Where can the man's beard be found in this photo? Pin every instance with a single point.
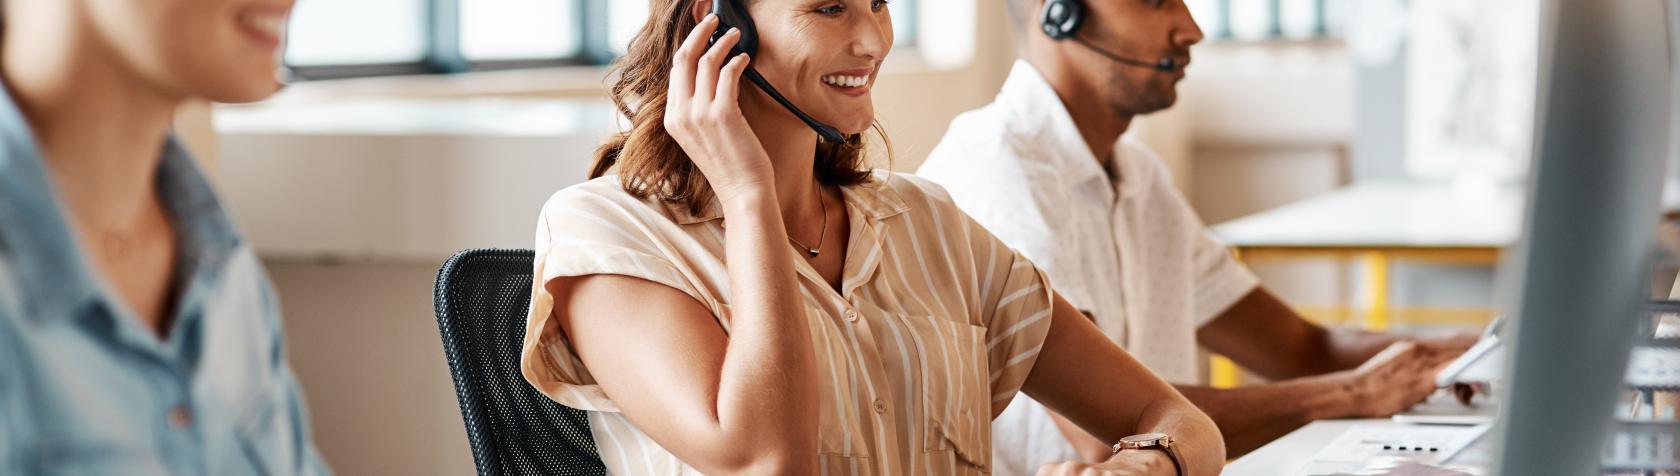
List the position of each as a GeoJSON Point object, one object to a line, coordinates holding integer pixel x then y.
{"type": "Point", "coordinates": [1138, 97]}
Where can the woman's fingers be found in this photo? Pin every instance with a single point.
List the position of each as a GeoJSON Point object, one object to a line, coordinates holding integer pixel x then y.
{"type": "Point", "coordinates": [706, 72]}
{"type": "Point", "coordinates": [729, 80]}
{"type": "Point", "coordinates": [682, 64]}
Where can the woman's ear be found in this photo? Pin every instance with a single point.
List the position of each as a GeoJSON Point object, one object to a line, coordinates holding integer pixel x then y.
{"type": "Point", "coordinates": [700, 9]}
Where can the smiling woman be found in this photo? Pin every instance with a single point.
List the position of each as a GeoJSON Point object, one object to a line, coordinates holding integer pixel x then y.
{"type": "Point", "coordinates": [744, 296]}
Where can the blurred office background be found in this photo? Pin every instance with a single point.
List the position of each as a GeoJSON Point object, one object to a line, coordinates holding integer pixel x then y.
{"type": "Point", "coordinates": [416, 128]}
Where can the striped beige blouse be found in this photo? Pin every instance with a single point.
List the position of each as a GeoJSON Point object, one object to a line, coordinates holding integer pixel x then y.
{"type": "Point", "coordinates": [934, 331]}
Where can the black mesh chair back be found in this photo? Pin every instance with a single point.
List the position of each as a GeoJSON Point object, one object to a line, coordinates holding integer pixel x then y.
{"type": "Point", "coordinates": [481, 298]}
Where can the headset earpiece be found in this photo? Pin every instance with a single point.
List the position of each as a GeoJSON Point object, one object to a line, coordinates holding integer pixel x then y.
{"type": "Point", "coordinates": [1060, 19]}
{"type": "Point", "coordinates": [733, 14]}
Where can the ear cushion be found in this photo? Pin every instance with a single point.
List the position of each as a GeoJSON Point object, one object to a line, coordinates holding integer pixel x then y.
{"type": "Point", "coordinates": [1060, 19]}
{"type": "Point", "coordinates": [733, 13]}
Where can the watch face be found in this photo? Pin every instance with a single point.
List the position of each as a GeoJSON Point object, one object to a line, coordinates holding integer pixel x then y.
{"type": "Point", "coordinates": [1145, 438]}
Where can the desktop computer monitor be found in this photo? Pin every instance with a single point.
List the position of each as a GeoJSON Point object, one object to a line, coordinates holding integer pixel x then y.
{"type": "Point", "coordinates": [1603, 133]}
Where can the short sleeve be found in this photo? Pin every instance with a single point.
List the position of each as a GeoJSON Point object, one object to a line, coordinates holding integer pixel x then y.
{"type": "Point", "coordinates": [1020, 302]}
{"type": "Point", "coordinates": [579, 233]}
{"type": "Point", "coordinates": [1220, 280]}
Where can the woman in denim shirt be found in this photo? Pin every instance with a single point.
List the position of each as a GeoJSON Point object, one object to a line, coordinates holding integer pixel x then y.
{"type": "Point", "coordinates": [138, 333]}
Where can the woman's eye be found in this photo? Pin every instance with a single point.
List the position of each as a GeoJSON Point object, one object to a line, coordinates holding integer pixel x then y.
{"type": "Point", "coordinates": [831, 10]}
{"type": "Point", "coordinates": [877, 5]}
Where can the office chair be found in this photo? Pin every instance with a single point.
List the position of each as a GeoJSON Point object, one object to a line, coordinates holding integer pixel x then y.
{"type": "Point", "coordinates": [481, 297]}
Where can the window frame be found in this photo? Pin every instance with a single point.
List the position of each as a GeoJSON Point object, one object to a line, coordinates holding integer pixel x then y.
{"type": "Point", "coordinates": [443, 48]}
{"type": "Point", "coordinates": [1224, 31]}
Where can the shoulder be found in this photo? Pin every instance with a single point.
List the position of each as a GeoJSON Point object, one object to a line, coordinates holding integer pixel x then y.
{"type": "Point", "coordinates": [600, 196]}
{"type": "Point", "coordinates": [981, 144]}
{"type": "Point", "coordinates": [601, 203]}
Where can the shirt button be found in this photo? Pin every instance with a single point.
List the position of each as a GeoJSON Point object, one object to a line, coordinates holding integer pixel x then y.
{"type": "Point", "coordinates": [851, 316]}
{"type": "Point", "coordinates": [180, 417]}
{"type": "Point", "coordinates": [880, 406]}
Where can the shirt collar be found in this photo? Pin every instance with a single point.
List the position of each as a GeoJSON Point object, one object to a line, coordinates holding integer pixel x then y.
{"type": "Point", "coordinates": [1037, 113]}
{"type": "Point", "coordinates": [873, 199]}
{"type": "Point", "coordinates": [35, 234]}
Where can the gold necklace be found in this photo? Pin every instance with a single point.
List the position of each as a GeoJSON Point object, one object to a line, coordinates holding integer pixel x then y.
{"type": "Point", "coordinates": [823, 236]}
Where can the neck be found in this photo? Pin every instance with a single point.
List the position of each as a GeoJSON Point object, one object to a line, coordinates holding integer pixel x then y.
{"type": "Point", "coordinates": [1097, 122]}
{"type": "Point", "coordinates": [792, 147]}
{"type": "Point", "coordinates": [100, 128]}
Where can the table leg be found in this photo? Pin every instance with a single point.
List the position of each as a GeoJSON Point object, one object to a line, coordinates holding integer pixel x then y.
{"type": "Point", "coordinates": [1376, 291]}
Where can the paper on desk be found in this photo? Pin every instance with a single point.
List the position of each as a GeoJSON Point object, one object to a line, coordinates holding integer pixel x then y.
{"type": "Point", "coordinates": [1396, 466]}
{"type": "Point", "coordinates": [1358, 447]}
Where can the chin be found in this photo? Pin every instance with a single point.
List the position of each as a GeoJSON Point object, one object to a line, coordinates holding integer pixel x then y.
{"type": "Point", "coordinates": [249, 87]}
{"type": "Point", "coordinates": [853, 124]}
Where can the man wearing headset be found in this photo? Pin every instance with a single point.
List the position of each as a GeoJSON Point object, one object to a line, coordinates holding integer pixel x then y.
{"type": "Point", "coordinates": [1045, 168]}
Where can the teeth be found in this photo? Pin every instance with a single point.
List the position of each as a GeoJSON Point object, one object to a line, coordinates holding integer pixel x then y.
{"type": "Point", "coordinates": [274, 25]}
{"type": "Point", "coordinates": [846, 81]}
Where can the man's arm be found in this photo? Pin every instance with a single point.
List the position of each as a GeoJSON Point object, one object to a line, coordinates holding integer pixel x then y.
{"type": "Point", "coordinates": [1317, 373]}
{"type": "Point", "coordinates": [1262, 334]}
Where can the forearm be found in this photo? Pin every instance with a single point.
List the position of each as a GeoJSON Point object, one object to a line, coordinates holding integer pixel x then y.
{"type": "Point", "coordinates": [1265, 336]}
{"type": "Point", "coordinates": [1076, 354]}
{"type": "Point", "coordinates": [1347, 347]}
{"type": "Point", "coordinates": [1251, 416]}
{"type": "Point", "coordinates": [767, 385]}
{"type": "Point", "coordinates": [1199, 443]}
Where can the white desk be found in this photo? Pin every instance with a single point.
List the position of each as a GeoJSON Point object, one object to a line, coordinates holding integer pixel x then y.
{"type": "Point", "coordinates": [1288, 456]}
{"type": "Point", "coordinates": [1377, 216]}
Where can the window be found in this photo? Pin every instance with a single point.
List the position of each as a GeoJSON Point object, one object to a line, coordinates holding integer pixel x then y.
{"type": "Point", "coordinates": [331, 33]}
{"type": "Point", "coordinates": [340, 38]}
{"type": "Point", "coordinates": [1268, 19]}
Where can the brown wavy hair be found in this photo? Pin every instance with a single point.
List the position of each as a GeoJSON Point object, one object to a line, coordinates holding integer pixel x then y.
{"type": "Point", "coordinates": [649, 161]}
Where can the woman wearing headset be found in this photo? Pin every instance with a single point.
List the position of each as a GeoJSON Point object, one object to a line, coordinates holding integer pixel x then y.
{"type": "Point", "coordinates": [743, 296]}
{"type": "Point", "coordinates": [138, 333]}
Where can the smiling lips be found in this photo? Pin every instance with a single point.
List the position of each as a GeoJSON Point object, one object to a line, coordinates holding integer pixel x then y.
{"type": "Point", "coordinates": [845, 81]}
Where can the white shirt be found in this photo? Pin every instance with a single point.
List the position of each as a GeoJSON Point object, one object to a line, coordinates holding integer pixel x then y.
{"type": "Point", "coordinates": [1130, 252]}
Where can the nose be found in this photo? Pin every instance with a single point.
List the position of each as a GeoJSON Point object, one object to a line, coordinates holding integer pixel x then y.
{"type": "Point", "coordinates": [1187, 33]}
{"type": "Point", "coordinates": [873, 34]}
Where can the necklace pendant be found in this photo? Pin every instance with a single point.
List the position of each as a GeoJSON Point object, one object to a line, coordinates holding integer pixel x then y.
{"type": "Point", "coordinates": [813, 252]}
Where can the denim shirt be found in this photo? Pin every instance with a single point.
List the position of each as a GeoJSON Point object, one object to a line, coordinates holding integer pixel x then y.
{"type": "Point", "coordinates": [86, 389]}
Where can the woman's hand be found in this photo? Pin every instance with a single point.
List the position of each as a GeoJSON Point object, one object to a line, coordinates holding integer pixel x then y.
{"type": "Point", "coordinates": [703, 114]}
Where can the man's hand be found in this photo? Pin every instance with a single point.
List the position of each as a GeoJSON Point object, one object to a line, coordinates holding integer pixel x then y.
{"type": "Point", "coordinates": [1454, 346]}
{"type": "Point", "coordinates": [1397, 378]}
{"type": "Point", "coordinates": [1125, 463]}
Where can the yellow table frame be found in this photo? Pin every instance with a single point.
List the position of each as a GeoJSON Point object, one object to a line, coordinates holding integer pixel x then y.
{"type": "Point", "coordinates": [1379, 314]}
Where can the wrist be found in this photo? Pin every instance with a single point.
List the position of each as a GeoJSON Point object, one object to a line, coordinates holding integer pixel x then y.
{"type": "Point", "coordinates": [747, 200]}
{"type": "Point", "coordinates": [1151, 461]}
{"type": "Point", "coordinates": [1345, 396]}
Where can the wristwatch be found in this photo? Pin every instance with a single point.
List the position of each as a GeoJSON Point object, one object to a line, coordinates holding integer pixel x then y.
{"type": "Point", "coordinates": [1152, 441]}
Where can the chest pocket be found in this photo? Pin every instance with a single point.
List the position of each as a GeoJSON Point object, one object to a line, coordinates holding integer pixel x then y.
{"type": "Point", "coordinates": [956, 389]}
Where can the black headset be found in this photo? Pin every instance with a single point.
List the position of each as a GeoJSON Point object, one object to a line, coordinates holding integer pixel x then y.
{"type": "Point", "coordinates": [733, 14]}
{"type": "Point", "coordinates": [1061, 19]}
